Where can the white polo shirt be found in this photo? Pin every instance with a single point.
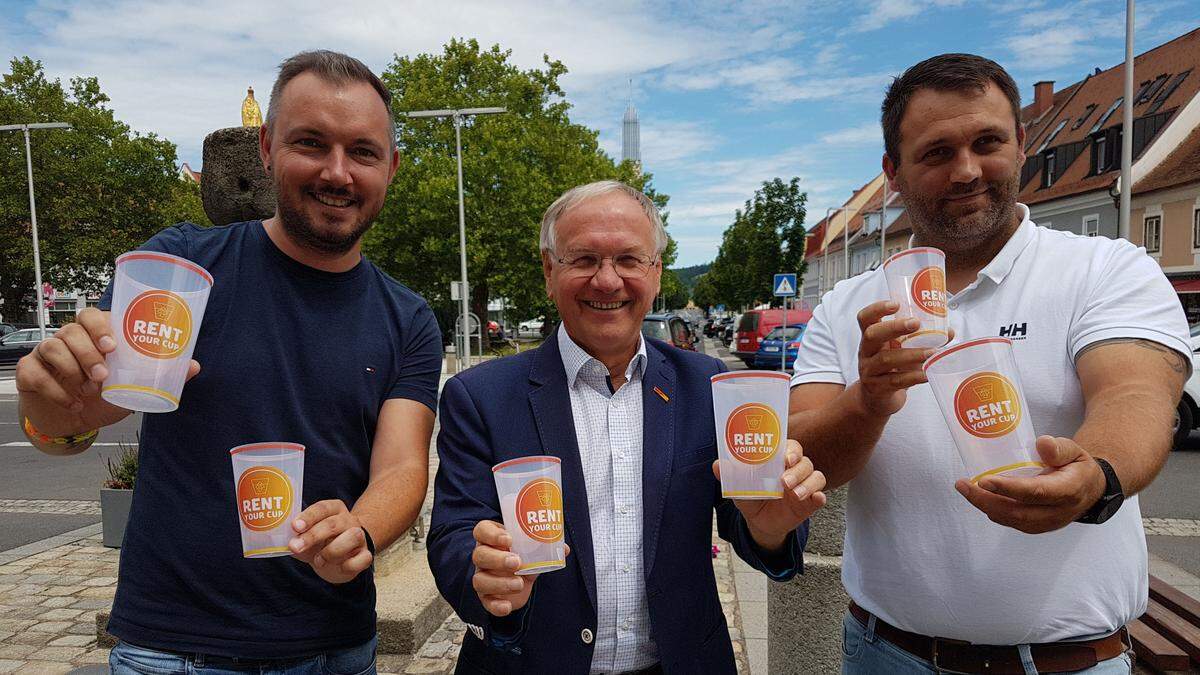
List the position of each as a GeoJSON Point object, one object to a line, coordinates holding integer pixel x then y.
{"type": "Point", "coordinates": [917, 554]}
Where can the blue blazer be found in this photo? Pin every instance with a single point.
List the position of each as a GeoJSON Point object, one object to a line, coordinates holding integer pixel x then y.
{"type": "Point", "coordinates": [520, 406]}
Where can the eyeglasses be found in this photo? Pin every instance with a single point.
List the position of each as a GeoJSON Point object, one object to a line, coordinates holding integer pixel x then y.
{"type": "Point", "coordinates": [626, 265]}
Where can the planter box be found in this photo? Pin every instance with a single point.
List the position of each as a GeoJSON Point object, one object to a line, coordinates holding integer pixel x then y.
{"type": "Point", "coordinates": [114, 514]}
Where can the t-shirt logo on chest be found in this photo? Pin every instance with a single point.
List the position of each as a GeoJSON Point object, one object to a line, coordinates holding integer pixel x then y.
{"type": "Point", "coordinates": [1014, 331]}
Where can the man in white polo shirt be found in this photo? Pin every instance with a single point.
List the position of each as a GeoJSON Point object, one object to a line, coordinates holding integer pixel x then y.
{"type": "Point", "coordinates": [1010, 575]}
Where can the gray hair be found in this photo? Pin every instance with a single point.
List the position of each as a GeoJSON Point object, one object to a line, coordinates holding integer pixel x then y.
{"type": "Point", "coordinates": [577, 195]}
{"type": "Point", "coordinates": [333, 67]}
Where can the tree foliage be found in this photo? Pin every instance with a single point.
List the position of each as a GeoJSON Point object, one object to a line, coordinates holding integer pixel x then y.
{"type": "Point", "coordinates": [101, 189]}
{"type": "Point", "coordinates": [514, 165]}
{"type": "Point", "coordinates": [765, 238]}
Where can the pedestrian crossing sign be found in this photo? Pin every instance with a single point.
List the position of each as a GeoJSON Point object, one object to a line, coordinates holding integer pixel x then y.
{"type": "Point", "coordinates": [785, 285]}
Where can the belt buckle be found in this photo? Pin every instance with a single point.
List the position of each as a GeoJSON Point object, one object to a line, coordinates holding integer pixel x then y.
{"type": "Point", "coordinates": [939, 668]}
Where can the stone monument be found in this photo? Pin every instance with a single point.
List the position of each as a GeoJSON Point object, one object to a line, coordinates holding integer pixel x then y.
{"type": "Point", "coordinates": [235, 186]}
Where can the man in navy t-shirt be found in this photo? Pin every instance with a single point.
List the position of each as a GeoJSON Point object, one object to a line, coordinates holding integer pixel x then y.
{"type": "Point", "coordinates": [303, 340]}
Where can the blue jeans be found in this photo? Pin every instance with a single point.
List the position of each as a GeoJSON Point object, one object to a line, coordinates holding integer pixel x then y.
{"type": "Point", "coordinates": [865, 653]}
{"type": "Point", "coordinates": [127, 659]}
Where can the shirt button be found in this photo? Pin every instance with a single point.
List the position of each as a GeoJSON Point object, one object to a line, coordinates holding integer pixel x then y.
{"type": "Point", "coordinates": [625, 568]}
{"type": "Point", "coordinates": [586, 636]}
{"type": "Point", "coordinates": [624, 509]}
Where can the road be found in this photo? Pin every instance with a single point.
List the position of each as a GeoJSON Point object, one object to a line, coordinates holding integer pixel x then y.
{"type": "Point", "coordinates": [30, 475]}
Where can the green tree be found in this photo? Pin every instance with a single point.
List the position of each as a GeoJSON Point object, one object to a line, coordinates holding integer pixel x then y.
{"type": "Point", "coordinates": [101, 189]}
{"type": "Point", "coordinates": [514, 166]}
{"type": "Point", "coordinates": [766, 237]}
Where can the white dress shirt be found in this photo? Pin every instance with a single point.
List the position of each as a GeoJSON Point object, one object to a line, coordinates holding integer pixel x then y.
{"type": "Point", "coordinates": [608, 428]}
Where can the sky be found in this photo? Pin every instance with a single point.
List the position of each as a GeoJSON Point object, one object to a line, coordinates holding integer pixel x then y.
{"type": "Point", "coordinates": [729, 94]}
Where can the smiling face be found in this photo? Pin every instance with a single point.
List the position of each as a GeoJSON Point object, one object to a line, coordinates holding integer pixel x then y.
{"type": "Point", "coordinates": [603, 312]}
{"type": "Point", "coordinates": [960, 167]}
{"type": "Point", "coordinates": [329, 149]}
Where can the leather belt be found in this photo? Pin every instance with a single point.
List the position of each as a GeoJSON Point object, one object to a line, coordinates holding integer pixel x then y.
{"type": "Point", "coordinates": [956, 656]}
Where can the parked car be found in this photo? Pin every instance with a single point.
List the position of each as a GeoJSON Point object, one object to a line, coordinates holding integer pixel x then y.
{"type": "Point", "coordinates": [531, 328]}
{"type": "Point", "coordinates": [670, 329]}
{"type": "Point", "coordinates": [1187, 415]}
{"type": "Point", "coordinates": [754, 326]}
{"type": "Point", "coordinates": [19, 343]}
{"type": "Point", "coordinates": [6, 328]}
{"type": "Point", "coordinates": [768, 355]}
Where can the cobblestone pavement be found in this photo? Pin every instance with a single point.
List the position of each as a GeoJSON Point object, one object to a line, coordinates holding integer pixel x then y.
{"type": "Point", "coordinates": [1172, 527]}
{"type": "Point", "coordinates": [69, 507]}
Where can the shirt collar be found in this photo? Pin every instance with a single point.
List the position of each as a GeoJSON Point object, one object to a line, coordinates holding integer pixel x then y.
{"type": "Point", "coordinates": [1003, 263]}
{"type": "Point", "coordinates": [575, 359]}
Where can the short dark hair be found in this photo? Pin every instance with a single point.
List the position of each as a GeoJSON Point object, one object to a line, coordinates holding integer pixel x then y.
{"type": "Point", "coordinates": [332, 66]}
{"type": "Point", "coordinates": [945, 72]}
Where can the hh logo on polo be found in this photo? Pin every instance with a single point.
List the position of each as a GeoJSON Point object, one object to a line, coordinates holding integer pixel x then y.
{"type": "Point", "coordinates": [1014, 331]}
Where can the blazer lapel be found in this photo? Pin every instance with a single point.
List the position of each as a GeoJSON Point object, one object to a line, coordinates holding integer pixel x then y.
{"type": "Point", "coordinates": [658, 448]}
{"type": "Point", "coordinates": [551, 404]}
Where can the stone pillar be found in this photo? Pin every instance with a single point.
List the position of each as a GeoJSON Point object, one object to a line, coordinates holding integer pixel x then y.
{"type": "Point", "coordinates": [804, 615]}
{"type": "Point", "coordinates": [234, 186]}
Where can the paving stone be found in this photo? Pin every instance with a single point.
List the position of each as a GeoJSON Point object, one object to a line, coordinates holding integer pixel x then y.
{"type": "Point", "coordinates": [20, 601]}
{"type": "Point", "coordinates": [69, 579]}
{"type": "Point", "coordinates": [97, 592]}
{"type": "Point", "coordinates": [101, 581]}
{"type": "Point", "coordinates": [8, 651]}
{"type": "Point", "coordinates": [51, 626]}
{"type": "Point", "coordinates": [93, 655]}
{"type": "Point", "coordinates": [60, 614]}
{"type": "Point", "coordinates": [30, 638]}
{"type": "Point", "coordinates": [30, 612]}
{"type": "Point", "coordinates": [9, 665]}
{"type": "Point", "coordinates": [84, 628]}
{"type": "Point", "coordinates": [58, 601]}
{"type": "Point", "coordinates": [62, 590]}
{"type": "Point", "coordinates": [15, 624]}
{"type": "Point", "coordinates": [91, 603]}
{"type": "Point", "coordinates": [44, 668]}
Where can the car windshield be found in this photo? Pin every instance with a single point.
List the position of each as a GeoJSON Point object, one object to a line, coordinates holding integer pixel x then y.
{"type": "Point", "coordinates": [791, 333]}
{"type": "Point", "coordinates": [656, 329]}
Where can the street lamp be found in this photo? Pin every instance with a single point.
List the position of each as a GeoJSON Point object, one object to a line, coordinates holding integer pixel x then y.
{"type": "Point", "coordinates": [37, 255]}
{"type": "Point", "coordinates": [464, 355]}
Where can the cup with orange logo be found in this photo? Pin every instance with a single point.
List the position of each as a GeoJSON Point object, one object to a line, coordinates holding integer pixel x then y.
{"type": "Point", "coordinates": [750, 409]}
{"type": "Point", "coordinates": [531, 503]}
{"type": "Point", "coordinates": [268, 481]}
{"type": "Point", "coordinates": [978, 389]}
{"type": "Point", "coordinates": [158, 301]}
{"type": "Point", "coordinates": [916, 280]}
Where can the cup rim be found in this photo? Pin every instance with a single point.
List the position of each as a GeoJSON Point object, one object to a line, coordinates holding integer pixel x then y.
{"type": "Point", "coordinates": [918, 249]}
{"type": "Point", "coordinates": [962, 345]}
{"type": "Point", "coordinates": [750, 373]}
{"type": "Point", "coordinates": [264, 445]}
{"type": "Point", "coordinates": [167, 258]}
{"type": "Point", "coordinates": [525, 460]}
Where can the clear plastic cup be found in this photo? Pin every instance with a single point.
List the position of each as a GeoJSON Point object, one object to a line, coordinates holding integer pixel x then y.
{"type": "Point", "coordinates": [158, 301]}
{"type": "Point", "coordinates": [750, 410]}
{"type": "Point", "coordinates": [531, 503]}
{"type": "Point", "coordinates": [268, 481]}
{"type": "Point", "coordinates": [979, 392]}
{"type": "Point", "coordinates": [916, 280]}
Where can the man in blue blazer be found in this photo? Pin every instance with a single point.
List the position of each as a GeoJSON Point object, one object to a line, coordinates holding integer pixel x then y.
{"type": "Point", "coordinates": [631, 420]}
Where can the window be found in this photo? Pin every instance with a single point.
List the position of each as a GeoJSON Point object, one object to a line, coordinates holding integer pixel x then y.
{"type": "Point", "coordinates": [1166, 93]}
{"type": "Point", "coordinates": [1091, 225]}
{"type": "Point", "coordinates": [1104, 118]}
{"type": "Point", "coordinates": [1087, 112]}
{"type": "Point", "coordinates": [1046, 143]}
{"type": "Point", "coordinates": [1048, 170]}
{"type": "Point", "coordinates": [1151, 90]}
{"type": "Point", "coordinates": [1099, 162]}
{"type": "Point", "coordinates": [1153, 236]}
{"type": "Point", "coordinates": [1196, 229]}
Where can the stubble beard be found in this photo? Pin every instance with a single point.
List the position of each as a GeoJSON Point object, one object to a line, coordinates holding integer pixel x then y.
{"type": "Point", "coordinates": [970, 233]}
{"type": "Point", "coordinates": [300, 228]}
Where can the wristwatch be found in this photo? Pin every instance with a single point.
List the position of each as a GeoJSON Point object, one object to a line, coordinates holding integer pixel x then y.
{"type": "Point", "coordinates": [1109, 502]}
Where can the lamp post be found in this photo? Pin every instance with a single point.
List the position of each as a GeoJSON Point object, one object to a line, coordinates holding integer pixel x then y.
{"type": "Point", "coordinates": [1123, 226]}
{"type": "Point", "coordinates": [845, 244]}
{"type": "Point", "coordinates": [464, 354]}
{"type": "Point", "coordinates": [37, 254]}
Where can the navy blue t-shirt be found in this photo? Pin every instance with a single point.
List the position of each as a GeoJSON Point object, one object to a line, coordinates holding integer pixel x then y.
{"type": "Point", "coordinates": [287, 353]}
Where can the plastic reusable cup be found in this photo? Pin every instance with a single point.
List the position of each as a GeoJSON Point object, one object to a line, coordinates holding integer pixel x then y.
{"type": "Point", "coordinates": [978, 389]}
{"type": "Point", "coordinates": [531, 502]}
{"type": "Point", "coordinates": [750, 409]}
{"type": "Point", "coordinates": [268, 480]}
{"type": "Point", "coordinates": [158, 301]}
{"type": "Point", "coordinates": [916, 280]}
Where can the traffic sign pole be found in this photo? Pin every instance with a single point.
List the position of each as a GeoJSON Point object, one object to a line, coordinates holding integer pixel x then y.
{"type": "Point", "coordinates": [783, 350]}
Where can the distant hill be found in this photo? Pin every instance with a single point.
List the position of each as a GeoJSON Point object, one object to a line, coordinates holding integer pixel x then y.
{"type": "Point", "coordinates": [688, 275]}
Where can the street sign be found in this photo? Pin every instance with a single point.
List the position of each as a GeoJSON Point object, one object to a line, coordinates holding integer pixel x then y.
{"type": "Point", "coordinates": [456, 292]}
{"type": "Point", "coordinates": [785, 285]}
{"type": "Point", "coordinates": [474, 324]}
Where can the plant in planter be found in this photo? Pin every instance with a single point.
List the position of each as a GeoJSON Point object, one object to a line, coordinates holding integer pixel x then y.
{"type": "Point", "coordinates": [117, 494]}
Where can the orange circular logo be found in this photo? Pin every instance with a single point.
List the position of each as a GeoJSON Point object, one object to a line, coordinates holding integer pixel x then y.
{"type": "Point", "coordinates": [929, 290]}
{"type": "Point", "coordinates": [987, 405]}
{"type": "Point", "coordinates": [264, 497]}
{"type": "Point", "coordinates": [540, 510]}
{"type": "Point", "coordinates": [753, 434]}
{"type": "Point", "coordinates": [158, 324]}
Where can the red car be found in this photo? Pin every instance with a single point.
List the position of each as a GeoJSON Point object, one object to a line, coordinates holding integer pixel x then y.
{"type": "Point", "coordinates": [754, 326]}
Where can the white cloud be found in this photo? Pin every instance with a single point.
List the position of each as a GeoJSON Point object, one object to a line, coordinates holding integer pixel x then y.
{"type": "Point", "coordinates": [881, 13]}
{"type": "Point", "coordinates": [867, 134]}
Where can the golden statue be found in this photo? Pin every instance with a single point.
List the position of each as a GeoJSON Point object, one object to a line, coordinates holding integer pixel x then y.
{"type": "Point", "coordinates": [251, 114]}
